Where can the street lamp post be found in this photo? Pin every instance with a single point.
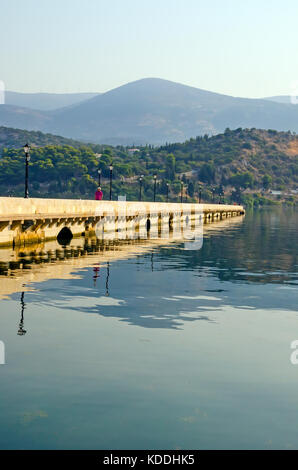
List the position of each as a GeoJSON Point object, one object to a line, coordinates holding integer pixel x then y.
{"type": "Point", "coordinates": [221, 193]}
{"type": "Point", "coordinates": [181, 192]}
{"type": "Point", "coordinates": [200, 194]}
{"type": "Point", "coordinates": [155, 178]}
{"type": "Point", "coordinates": [27, 154]}
{"type": "Point", "coordinates": [111, 179]}
{"type": "Point", "coordinates": [213, 194]}
{"type": "Point", "coordinates": [99, 177]}
{"type": "Point", "coordinates": [141, 181]}
{"type": "Point", "coordinates": [167, 192]}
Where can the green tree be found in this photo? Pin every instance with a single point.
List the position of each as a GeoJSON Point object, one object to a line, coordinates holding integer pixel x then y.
{"type": "Point", "coordinates": [207, 173]}
{"type": "Point", "coordinates": [191, 189]}
{"type": "Point", "coordinates": [170, 166]}
{"type": "Point", "coordinates": [267, 181]}
{"type": "Point", "coordinates": [242, 180]}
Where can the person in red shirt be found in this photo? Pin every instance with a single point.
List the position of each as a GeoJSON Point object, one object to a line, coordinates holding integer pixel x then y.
{"type": "Point", "coordinates": [98, 194]}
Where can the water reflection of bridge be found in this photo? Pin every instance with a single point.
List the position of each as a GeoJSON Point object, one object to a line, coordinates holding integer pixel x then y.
{"type": "Point", "coordinates": [34, 263]}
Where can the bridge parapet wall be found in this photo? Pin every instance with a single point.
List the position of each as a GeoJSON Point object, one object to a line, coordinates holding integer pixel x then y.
{"type": "Point", "coordinates": [32, 220]}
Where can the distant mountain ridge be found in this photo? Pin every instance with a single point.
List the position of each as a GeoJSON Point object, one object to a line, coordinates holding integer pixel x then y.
{"type": "Point", "coordinates": [45, 101]}
{"type": "Point", "coordinates": [153, 111]}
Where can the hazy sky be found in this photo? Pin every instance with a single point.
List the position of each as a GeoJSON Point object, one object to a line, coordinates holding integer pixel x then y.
{"type": "Point", "coordinates": [229, 46]}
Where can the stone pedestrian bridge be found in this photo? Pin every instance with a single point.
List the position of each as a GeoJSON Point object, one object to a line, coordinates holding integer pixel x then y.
{"type": "Point", "coordinates": [34, 220]}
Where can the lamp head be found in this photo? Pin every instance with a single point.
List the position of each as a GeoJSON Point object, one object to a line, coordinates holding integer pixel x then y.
{"type": "Point", "coordinates": [26, 148]}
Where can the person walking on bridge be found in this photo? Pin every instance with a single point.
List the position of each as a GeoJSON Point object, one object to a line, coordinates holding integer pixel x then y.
{"type": "Point", "coordinates": [98, 194]}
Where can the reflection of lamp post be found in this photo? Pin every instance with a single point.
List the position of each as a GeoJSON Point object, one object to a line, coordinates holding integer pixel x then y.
{"type": "Point", "coordinates": [96, 270]}
{"type": "Point", "coordinates": [99, 177]}
{"type": "Point", "coordinates": [141, 181]}
{"type": "Point", "coordinates": [21, 330]}
{"type": "Point", "coordinates": [111, 179]}
{"type": "Point", "coordinates": [200, 194]}
{"type": "Point", "coordinates": [167, 192]}
{"type": "Point", "coordinates": [27, 154]}
{"type": "Point", "coordinates": [155, 178]}
{"type": "Point", "coordinates": [107, 279]}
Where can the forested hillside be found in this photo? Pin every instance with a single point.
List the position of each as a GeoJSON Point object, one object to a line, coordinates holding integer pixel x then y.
{"type": "Point", "coordinates": [268, 155]}
{"type": "Point", "coordinates": [16, 138]}
{"type": "Point", "coordinates": [239, 165]}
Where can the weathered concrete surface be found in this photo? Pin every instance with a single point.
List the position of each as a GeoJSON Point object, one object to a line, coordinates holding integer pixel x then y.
{"type": "Point", "coordinates": [35, 220]}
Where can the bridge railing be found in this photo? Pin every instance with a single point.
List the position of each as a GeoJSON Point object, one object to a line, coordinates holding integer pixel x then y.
{"type": "Point", "coordinates": [37, 207]}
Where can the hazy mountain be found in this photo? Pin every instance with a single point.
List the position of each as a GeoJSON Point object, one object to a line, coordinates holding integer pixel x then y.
{"type": "Point", "coordinates": [153, 111]}
{"type": "Point", "coordinates": [148, 110]}
{"type": "Point", "coordinates": [156, 111]}
{"type": "Point", "coordinates": [45, 101]}
{"type": "Point", "coordinates": [24, 118]}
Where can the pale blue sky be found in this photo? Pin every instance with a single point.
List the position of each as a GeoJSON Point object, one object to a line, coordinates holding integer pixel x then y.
{"type": "Point", "coordinates": [234, 47]}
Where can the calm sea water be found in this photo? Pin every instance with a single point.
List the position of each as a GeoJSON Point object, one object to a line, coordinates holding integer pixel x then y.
{"type": "Point", "coordinates": [155, 347]}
